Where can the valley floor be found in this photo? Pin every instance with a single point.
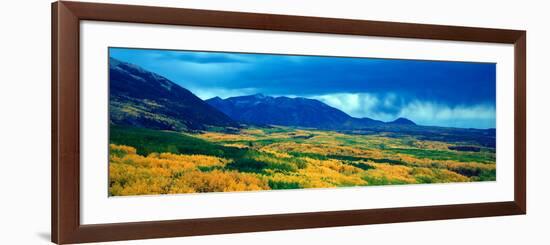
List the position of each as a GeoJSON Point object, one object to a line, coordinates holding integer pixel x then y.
{"type": "Point", "coordinates": [144, 161]}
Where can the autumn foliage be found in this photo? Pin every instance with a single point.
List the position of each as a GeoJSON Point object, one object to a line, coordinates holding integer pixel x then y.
{"type": "Point", "coordinates": [281, 158]}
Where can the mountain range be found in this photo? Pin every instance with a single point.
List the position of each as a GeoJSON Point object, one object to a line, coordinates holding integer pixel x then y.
{"type": "Point", "coordinates": [259, 109]}
{"type": "Point", "coordinates": [141, 98]}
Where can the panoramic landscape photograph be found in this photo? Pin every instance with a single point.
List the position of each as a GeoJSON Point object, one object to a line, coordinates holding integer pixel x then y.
{"type": "Point", "coordinates": [203, 121]}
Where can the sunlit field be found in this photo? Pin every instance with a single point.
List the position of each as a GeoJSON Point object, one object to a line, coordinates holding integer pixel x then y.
{"type": "Point", "coordinates": [146, 161]}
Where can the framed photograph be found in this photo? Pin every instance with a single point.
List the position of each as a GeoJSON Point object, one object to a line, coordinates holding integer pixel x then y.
{"type": "Point", "coordinates": [176, 122]}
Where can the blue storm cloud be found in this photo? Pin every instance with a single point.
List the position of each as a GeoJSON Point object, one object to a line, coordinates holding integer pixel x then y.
{"type": "Point", "coordinates": [441, 93]}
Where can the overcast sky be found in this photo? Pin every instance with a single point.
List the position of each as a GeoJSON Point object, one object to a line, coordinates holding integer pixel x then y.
{"type": "Point", "coordinates": [439, 93]}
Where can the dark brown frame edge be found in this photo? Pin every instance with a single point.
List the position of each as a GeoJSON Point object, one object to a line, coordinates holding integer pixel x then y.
{"type": "Point", "coordinates": [66, 227]}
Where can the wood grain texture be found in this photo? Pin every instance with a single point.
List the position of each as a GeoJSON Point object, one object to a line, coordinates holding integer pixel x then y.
{"type": "Point", "coordinates": [66, 127]}
{"type": "Point", "coordinates": [520, 122]}
{"type": "Point", "coordinates": [54, 139]}
{"type": "Point", "coordinates": [224, 19]}
{"type": "Point", "coordinates": [66, 17]}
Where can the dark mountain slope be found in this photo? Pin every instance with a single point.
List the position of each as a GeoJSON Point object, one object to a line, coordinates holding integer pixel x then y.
{"type": "Point", "coordinates": [144, 99]}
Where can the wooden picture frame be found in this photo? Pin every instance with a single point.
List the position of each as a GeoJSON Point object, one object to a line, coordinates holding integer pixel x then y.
{"type": "Point", "coordinates": [66, 226]}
